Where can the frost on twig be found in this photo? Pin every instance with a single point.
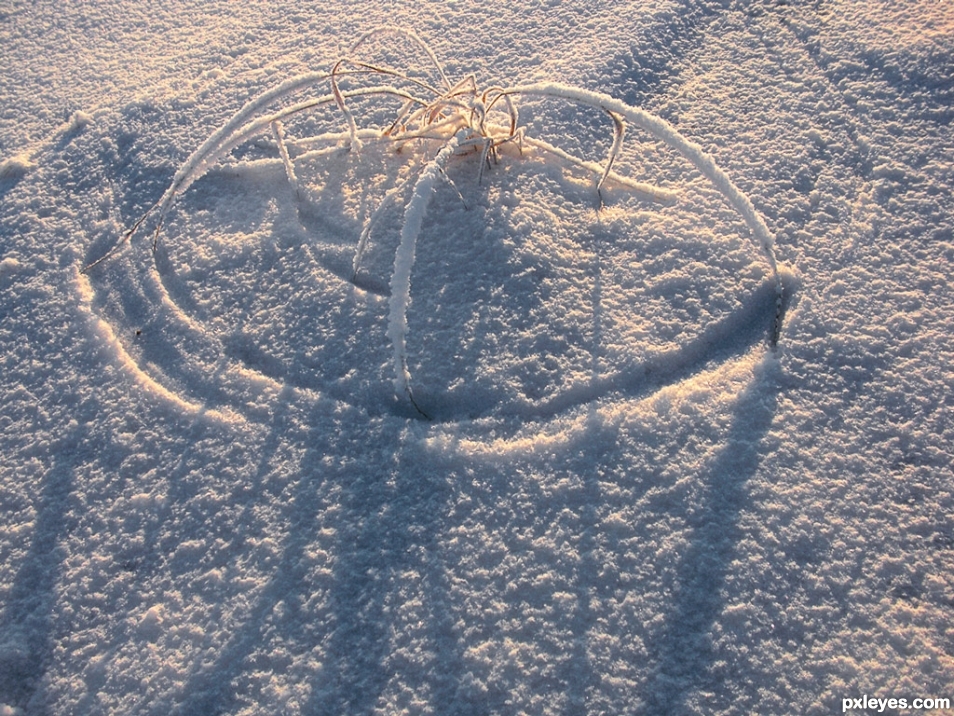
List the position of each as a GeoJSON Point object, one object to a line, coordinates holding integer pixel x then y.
{"type": "Point", "coordinates": [457, 116]}
{"type": "Point", "coordinates": [404, 262]}
{"type": "Point", "coordinates": [618, 132]}
{"type": "Point", "coordinates": [278, 130]}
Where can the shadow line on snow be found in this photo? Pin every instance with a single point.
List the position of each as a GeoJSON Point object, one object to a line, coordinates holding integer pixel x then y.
{"type": "Point", "coordinates": [338, 623]}
{"type": "Point", "coordinates": [752, 323]}
{"type": "Point", "coordinates": [389, 595]}
{"type": "Point", "coordinates": [26, 621]}
{"type": "Point", "coordinates": [211, 690]}
{"type": "Point", "coordinates": [656, 55]}
{"type": "Point", "coordinates": [684, 658]}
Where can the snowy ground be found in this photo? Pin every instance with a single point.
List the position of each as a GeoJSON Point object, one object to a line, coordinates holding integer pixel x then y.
{"type": "Point", "coordinates": [213, 503]}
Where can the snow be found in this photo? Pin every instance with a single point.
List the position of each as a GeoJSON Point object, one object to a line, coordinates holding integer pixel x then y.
{"type": "Point", "coordinates": [626, 501]}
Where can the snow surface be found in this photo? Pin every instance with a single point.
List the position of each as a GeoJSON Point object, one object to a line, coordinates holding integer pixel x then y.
{"type": "Point", "coordinates": [213, 503]}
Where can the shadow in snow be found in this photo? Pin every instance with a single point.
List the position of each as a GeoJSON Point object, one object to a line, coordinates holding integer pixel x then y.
{"type": "Point", "coordinates": [754, 322]}
{"type": "Point", "coordinates": [655, 56]}
{"type": "Point", "coordinates": [211, 689]}
{"type": "Point", "coordinates": [26, 622]}
{"type": "Point", "coordinates": [380, 529]}
{"type": "Point", "coordinates": [684, 658]}
{"type": "Point", "coordinates": [388, 600]}
{"type": "Point", "coordinates": [580, 674]}
{"type": "Point", "coordinates": [10, 179]}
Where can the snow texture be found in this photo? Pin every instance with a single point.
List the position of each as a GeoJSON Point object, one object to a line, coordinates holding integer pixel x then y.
{"type": "Point", "coordinates": [625, 501]}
